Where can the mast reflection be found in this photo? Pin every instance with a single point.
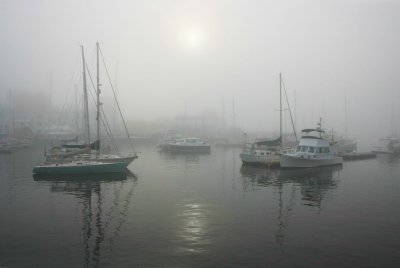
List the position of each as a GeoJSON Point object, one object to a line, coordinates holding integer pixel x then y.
{"type": "Point", "coordinates": [104, 199]}
{"type": "Point", "coordinates": [312, 183]}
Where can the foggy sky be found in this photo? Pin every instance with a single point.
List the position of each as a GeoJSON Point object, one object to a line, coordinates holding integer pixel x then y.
{"type": "Point", "coordinates": [179, 57]}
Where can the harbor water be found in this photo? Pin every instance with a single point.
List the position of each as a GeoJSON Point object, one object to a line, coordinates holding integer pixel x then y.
{"type": "Point", "coordinates": [201, 210]}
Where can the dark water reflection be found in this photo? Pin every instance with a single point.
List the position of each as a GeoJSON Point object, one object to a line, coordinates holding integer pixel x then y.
{"type": "Point", "coordinates": [103, 203]}
{"type": "Point", "coordinates": [201, 210]}
{"type": "Point", "coordinates": [311, 182]}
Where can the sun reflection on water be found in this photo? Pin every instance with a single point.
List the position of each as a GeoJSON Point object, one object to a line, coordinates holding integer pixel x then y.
{"type": "Point", "coordinates": [193, 227]}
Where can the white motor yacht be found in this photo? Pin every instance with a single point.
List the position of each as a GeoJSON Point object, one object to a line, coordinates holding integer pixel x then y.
{"type": "Point", "coordinates": [312, 151]}
{"type": "Point", "coordinates": [189, 145]}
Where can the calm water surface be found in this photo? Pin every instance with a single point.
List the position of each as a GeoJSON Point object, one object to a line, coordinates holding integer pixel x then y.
{"type": "Point", "coordinates": [202, 210]}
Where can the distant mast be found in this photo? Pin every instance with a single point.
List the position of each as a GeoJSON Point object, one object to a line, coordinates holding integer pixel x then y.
{"type": "Point", "coordinates": [280, 107]}
{"type": "Point", "coordinates": [86, 104]}
{"type": "Point", "coordinates": [97, 143]}
{"type": "Point", "coordinates": [116, 91]}
{"type": "Point", "coordinates": [76, 111]}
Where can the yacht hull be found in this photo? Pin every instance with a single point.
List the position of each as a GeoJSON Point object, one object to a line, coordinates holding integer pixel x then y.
{"type": "Point", "coordinates": [293, 161]}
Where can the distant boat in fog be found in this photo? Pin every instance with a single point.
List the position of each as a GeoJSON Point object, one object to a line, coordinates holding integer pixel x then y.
{"type": "Point", "coordinates": [170, 137]}
{"type": "Point", "coordinates": [388, 146]}
{"type": "Point", "coordinates": [188, 145]}
{"type": "Point", "coordinates": [312, 151]}
{"type": "Point", "coordinates": [340, 145]}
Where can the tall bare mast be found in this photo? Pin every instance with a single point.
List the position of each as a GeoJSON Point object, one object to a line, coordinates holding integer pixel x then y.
{"type": "Point", "coordinates": [280, 107]}
{"type": "Point", "coordinates": [98, 102]}
{"type": "Point", "coordinates": [76, 111]}
{"type": "Point", "coordinates": [85, 96]}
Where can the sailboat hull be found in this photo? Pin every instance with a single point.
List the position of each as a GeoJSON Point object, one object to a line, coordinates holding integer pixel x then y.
{"type": "Point", "coordinates": [86, 157]}
{"type": "Point", "coordinates": [80, 168]}
{"type": "Point", "coordinates": [111, 159]}
{"type": "Point", "coordinates": [267, 160]}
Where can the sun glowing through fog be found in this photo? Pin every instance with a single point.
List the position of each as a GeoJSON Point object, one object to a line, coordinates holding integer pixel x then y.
{"type": "Point", "coordinates": [193, 39]}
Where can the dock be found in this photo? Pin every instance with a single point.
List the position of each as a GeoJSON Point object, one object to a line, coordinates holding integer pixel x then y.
{"type": "Point", "coordinates": [358, 156]}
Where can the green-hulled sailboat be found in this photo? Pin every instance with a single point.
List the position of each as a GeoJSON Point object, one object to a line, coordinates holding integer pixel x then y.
{"type": "Point", "coordinates": [82, 167]}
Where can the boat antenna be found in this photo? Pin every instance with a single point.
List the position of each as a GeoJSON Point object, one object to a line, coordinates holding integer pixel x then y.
{"type": "Point", "coordinates": [319, 124]}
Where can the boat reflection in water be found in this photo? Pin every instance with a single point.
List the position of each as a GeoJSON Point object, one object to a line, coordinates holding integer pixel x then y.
{"type": "Point", "coordinates": [104, 200]}
{"type": "Point", "coordinates": [312, 182]}
{"type": "Point", "coordinates": [390, 159]}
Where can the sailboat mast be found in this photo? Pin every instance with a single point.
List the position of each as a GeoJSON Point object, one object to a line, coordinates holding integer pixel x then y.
{"type": "Point", "coordinates": [76, 111]}
{"type": "Point", "coordinates": [98, 101]}
{"type": "Point", "coordinates": [280, 107]}
{"type": "Point", "coordinates": [85, 96]}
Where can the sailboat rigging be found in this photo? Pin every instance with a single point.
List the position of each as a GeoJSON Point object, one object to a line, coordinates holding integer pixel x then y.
{"type": "Point", "coordinates": [94, 153]}
{"type": "Point", "coordinates": [82, 163]}
{"type": "Point", "coordinates": [267, 151]}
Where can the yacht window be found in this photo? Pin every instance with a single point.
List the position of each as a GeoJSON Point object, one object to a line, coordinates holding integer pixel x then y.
{"type": "Point", "coordinates": [320, 150]}
{"type": "Point", "coordinates": [298, 148]}
{"type": "Point", "coordinates": [326, 150]}
{"type": "Point", "coordinates": [304, 148]}
{"type": "Point", "coordinates": [311, 149]}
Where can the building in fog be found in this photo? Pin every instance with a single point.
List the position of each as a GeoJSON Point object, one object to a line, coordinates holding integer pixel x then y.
{"type": "Point", "coordinates": [25, 114]}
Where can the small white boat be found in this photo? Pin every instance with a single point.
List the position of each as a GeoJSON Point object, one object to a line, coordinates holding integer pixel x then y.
{"type": "Point", "coordinates": [170, 137]}
{"type": "Point", "coordinates": [340, 145]}
{"type": "Point", "coordinates": [312, 151]}
{"type": "Point", "coordinates": [189, 145]}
